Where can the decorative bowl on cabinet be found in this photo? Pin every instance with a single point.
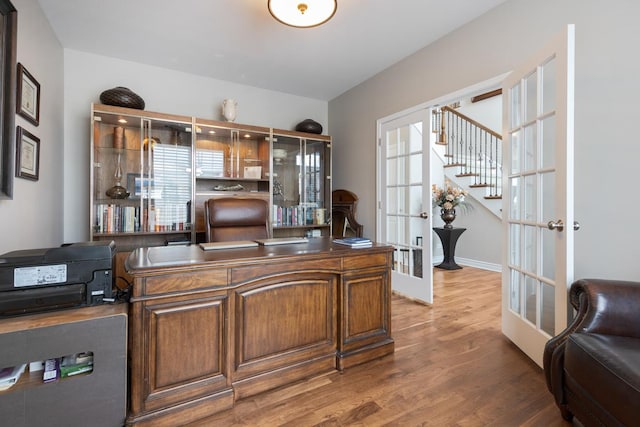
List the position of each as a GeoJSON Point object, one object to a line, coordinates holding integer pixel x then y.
{"type": "Point", "coordinates": [122, 97]}
{"type": "Point", "coordinates": [309, 126]}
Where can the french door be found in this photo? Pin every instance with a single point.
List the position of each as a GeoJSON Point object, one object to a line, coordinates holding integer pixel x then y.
{"type": "Point", "coordinates": [538, 196]}
{"type": "Point", "coordinates": [404, 194]}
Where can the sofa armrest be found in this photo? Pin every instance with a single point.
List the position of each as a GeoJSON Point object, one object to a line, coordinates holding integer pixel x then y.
{"type": "Point", "coordinates": [604, 307]}
{"type": "Point", "coordinates": [608, 307]}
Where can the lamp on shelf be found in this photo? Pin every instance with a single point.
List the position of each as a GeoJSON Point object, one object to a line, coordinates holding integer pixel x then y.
{"type": "Point", "coordinates": [298, 13]}
{"type": "Point", "coordinates": [118, 191]}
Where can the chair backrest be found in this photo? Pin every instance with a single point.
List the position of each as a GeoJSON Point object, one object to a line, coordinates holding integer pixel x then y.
{"type": "Point", "coordinates": [343, 214]}
{"type": "Point", "coordinates": [236, 218]}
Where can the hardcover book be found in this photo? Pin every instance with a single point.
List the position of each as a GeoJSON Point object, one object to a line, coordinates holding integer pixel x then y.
{"type": "Point", "coordinates": [354, 242]}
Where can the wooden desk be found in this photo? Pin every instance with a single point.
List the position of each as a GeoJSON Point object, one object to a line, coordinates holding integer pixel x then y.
{"type": "Point", "coordinates": [208, 328]}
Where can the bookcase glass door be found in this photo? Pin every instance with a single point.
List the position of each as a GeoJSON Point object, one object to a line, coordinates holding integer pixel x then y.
{"type": "Point", "coordinates": [166, 175]}
{"type": "Point", "coordinates": [317, 188]}
{"type": "Point", "coordinates": [141, 180]}
{"type": "Point", "coordinates": [288, 200]}
{"type": "Point", "coordinates": [301, 186]}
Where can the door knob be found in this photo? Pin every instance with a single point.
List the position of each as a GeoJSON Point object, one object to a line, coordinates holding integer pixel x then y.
{"type": "Point", "coordinates": [558, 225]}
{"type": "Point", "coordinates": [424, 215]}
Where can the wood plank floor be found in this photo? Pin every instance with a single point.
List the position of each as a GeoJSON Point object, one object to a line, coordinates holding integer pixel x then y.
{"type": "Point", "coordinates": [452, 367]}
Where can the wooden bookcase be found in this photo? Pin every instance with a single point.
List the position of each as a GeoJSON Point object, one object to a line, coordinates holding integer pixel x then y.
{"type": "Point", "coordinates": [151, 174]}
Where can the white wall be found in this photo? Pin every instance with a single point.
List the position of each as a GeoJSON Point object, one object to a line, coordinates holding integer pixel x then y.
{"type": "Point", "coordinates": [606, 94]}
{"type": "Point", "coordinates": [167, 91]}
{"type": "Point", "coordinates": [488, 112]}
{"type": "Point", "coordinates": [34, 217]}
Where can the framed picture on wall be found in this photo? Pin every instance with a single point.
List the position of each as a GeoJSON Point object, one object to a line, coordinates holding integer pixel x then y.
{"type": "Point", "coordinates": [27, 155]}
{"type": "Point", "coordinates": [142, 187]}
{"type": "Point", "coordinates": [28, 96]}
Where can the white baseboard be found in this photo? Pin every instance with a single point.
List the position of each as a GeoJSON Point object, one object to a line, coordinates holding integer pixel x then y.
{"type": "Point", "coordinates": [471, 263]}
{"type": "Point", "coordinates": [480, 264]}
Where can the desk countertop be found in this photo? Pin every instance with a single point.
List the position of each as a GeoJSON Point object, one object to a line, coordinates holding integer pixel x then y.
{"type": "Point", "coordinates": [192, 255]}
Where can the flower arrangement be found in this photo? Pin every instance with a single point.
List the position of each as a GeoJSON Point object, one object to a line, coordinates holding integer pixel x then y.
{"type": "Point", "coordinates": [447, 197]}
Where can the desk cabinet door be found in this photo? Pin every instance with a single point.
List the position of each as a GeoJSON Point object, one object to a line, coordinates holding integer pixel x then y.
{"type": "Point", "coordinates": [184, 345]}
{"type": "Point", "coordinates": [285, 327]}
{"type": "Point", "coordinates": [365, 317]}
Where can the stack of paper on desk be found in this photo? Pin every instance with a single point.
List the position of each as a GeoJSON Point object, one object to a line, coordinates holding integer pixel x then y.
{"type": "Point", "coordinates": [282, 241]}
{"type": "Point", "coordinates": [228, 245]}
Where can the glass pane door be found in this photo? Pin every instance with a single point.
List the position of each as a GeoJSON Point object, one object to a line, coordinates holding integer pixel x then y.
{"type": "Point", "coordinates": [406, 203]}
{"type": "Point", "coordinates": [538, 267]}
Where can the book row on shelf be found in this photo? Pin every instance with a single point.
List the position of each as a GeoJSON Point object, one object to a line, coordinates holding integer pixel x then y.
{"type": "Point", "coordinates": [297, 215]}
{"type": "Point", "coordinates": [112, 218]}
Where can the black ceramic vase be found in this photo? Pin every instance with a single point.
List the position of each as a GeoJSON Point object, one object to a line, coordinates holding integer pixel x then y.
{"type": "Point", "coordinates": [448, 215]}
{"type": "Point", "coordinates": [309, 126]}
{"type": "Point", "coordinates": [122, 97]}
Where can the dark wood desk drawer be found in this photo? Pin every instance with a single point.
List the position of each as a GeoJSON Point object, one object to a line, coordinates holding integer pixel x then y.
{"type": "Point", "coordinates": [171, 283]}
{"type": "Point", "coordinates": [363, 261]}
{"type": "Point", "coordinates": [255, 272]}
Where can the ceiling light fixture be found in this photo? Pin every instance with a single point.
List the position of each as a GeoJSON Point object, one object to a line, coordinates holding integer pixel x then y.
{"type": "Point", "coordinates": [302, 13]}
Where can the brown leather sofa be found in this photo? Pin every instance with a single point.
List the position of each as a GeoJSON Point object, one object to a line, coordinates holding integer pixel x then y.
{"type": "Point", "coordinates": [236, 218]}
{"type": "Point", "coordinates": [593, 367]}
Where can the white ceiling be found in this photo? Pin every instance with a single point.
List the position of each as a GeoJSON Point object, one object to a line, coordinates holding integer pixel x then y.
{"type": "Point", "coordinates": [239, 41]}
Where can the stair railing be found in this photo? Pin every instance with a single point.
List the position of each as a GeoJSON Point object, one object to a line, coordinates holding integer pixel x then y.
{"type": "Point", "coordinates": [472, 147]}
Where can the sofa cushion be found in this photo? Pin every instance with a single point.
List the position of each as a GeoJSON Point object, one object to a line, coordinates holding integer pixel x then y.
{"type": "Point", "coordinates": [607, 368]}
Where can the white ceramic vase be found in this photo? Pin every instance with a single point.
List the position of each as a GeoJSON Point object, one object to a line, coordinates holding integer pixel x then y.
{"type": "Point", "coordinates": [229, 109]}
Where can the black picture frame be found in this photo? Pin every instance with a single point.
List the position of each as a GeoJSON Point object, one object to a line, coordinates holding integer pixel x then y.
{"type": "Point", "coordinates": [28, 96]}
{"type": "Point", "coordinates": [8, 38]}
{"type": "Point", "coordinates": [140, 187]}
{"type": "Point", "coordinates": [27, 155]}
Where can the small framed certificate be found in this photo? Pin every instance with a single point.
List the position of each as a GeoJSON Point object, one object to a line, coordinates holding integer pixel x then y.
{"type": "Point", "coordinates": [28, 96]}
{"type": "Point", "coordinates": [27, 155]}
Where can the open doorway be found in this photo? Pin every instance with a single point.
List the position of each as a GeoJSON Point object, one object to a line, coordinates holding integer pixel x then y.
{"type": "Point", "coordinates": [466, 163]}
{"type": "Point", "coordinates": [405, 205]}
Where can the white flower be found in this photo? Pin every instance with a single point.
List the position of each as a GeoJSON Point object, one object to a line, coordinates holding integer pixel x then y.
{"type": "Point", "coordinates": [447, 197]}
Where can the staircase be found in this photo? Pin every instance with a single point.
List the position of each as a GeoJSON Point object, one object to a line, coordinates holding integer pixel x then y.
{"type": "Point", "coordinates": [471, 155]}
